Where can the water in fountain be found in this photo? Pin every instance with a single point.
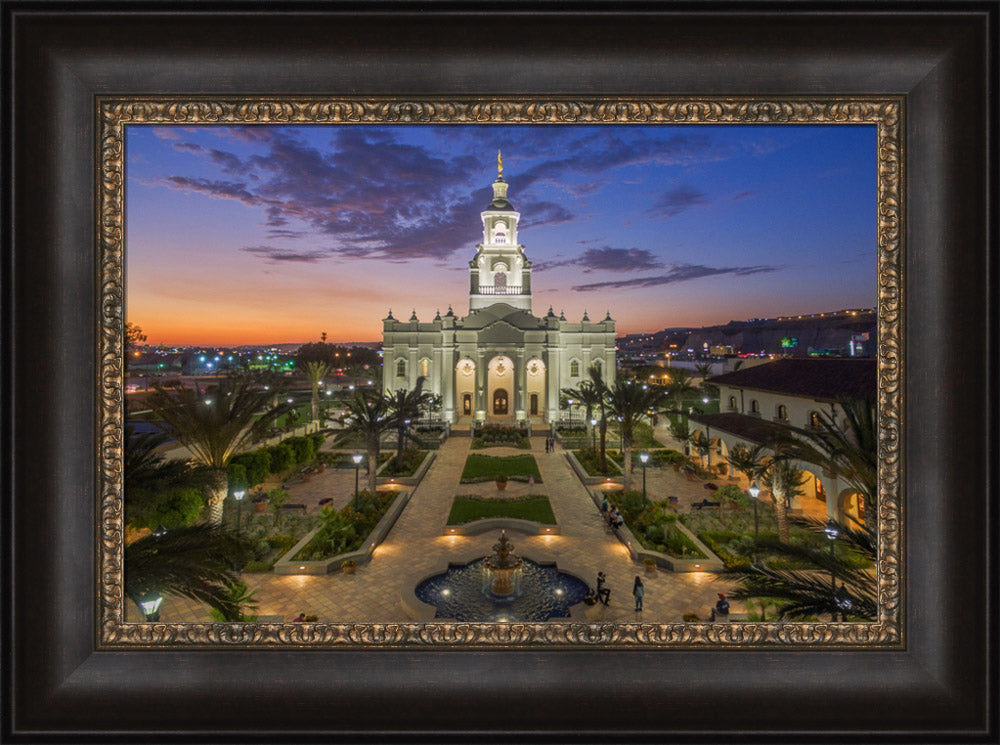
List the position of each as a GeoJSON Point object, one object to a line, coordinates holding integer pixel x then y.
{"type": "Point", "coordinates": [502, 587]}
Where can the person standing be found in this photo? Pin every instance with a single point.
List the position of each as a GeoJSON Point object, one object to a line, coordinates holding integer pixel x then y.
{"type": "Point", "coordinates": [638, 590]}
{"type": "Point", "coordinates": [603, 593]}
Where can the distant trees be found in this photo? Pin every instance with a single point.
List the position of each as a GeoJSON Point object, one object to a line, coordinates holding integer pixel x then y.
{"type": "Point", "coordinates": [133, 336]}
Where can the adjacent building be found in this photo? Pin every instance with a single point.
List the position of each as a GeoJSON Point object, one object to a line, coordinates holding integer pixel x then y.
{"type": "Point", "coordinates": [758, 404]}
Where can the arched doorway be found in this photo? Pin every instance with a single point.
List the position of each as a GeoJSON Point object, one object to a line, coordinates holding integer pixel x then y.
{"type": "Point", "coordinates": [500, 388]}
{"type": "Point", "coordinates": [852, 505]}
{"type": "Point", "coordinates": [465, 387]}
{"type": "Point", "coordinates": [535, 387]}
{"type": "Point", "coordinates": [500, 402]}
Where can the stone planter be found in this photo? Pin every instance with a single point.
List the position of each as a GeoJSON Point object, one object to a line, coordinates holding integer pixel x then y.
{"type": "Point", "coordinates": [260, 506]}
{"type": "Point", "coordinates": [501, 485]}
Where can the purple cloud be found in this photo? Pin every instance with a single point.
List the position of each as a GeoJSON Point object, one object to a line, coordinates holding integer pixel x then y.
{"type": "Point", "coordinates": [677, 200]}
{"type": "Point", "coordinates": [677, 273]}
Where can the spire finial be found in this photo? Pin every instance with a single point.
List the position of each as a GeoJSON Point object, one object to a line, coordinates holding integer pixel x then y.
{"type": "Point", "coordinates": [499, 163]}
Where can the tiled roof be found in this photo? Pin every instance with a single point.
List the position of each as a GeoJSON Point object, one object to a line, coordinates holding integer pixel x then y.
{"type": "Point", "coordinates": [743, 426]}
{"type": "Point", "coordinates": [831, 379]}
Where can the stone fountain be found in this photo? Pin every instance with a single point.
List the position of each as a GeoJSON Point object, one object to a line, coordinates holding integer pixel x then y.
{"type": "Point", "coordinates": [502, 564]}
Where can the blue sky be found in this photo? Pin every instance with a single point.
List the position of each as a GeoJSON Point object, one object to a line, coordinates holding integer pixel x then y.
{"type": "Point", "coordinates": [267, 234]}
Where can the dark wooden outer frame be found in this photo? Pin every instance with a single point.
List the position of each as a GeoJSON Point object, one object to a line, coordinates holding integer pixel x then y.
{"type": "Point", "coordinates": [57, 687]}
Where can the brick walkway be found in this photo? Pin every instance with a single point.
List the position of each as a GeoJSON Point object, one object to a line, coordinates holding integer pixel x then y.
{"type": "Point", "coordinates": [416, 544]}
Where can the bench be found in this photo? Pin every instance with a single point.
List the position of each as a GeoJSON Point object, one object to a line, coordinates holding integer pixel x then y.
{"type": "Point", "coordinates": [704, 503]}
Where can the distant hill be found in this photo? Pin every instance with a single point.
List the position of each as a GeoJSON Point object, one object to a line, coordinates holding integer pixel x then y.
{"type": "Point", "coordinates": [818, 333]}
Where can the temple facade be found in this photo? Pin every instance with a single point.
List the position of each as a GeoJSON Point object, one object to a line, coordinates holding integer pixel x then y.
{"type": "Point", "coordinates": [500, 363]}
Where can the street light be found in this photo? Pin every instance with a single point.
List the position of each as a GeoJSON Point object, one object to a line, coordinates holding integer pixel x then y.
{"type": "Point", "coordinates": [754, 491]}
{"type": "Point", "coordinates": [571, 401]}
{"type": "Point", "coordinates": [593, 433]}
{"type": "Point", "coordinates": [644, 457]}
{"type": "Point", "coordinates": [357, 464]}
{"type": "Point", "coordinates": [831, 533]}
{"type": "Point", "coordinates": [238, 495]}
{"type": "Point", "coordinates": [151, 607]}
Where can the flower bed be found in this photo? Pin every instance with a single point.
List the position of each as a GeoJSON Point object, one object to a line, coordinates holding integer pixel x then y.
{"type": "Point", "coordinates": [532, 507]}
{"type": "Point", "coordinates": [494, 435]}
{"type": "Point", "coordinates": [589, 459]}
{"type": "Point", "coordinates": [345, 530]}
{"type": "Point", "coordinates": [412, 458]}
{"type": "Point", "coordinates": [654, 527]}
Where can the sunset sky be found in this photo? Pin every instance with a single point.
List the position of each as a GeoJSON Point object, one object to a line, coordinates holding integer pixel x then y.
{"type": "Point", "coordinates": [269, 234]}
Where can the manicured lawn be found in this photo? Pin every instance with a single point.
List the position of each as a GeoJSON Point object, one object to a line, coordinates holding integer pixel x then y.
{"type": "Point", "coordinates": [480, 467]}
{"type": "Point", "coordinates": [529, 507]}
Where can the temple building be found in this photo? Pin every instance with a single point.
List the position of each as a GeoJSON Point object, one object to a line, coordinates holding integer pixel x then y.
{"type": "Point", "coordinates": [500, 363]}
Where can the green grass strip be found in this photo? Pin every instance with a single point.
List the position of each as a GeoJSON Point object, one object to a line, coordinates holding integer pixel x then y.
{"type": "Point", "coordinates": [529, 507]}
{"type": "Point", "coordinates": [479, 467]}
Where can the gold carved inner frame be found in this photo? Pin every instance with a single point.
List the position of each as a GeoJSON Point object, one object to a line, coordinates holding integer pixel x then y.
{"type": "Point", "coordinates": [886, 113]}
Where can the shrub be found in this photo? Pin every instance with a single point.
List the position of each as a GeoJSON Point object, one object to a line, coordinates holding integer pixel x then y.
{"type": "Point", "coordinates": [258, 567]}
{"type": "Point", "coordinates": [257, 464]}
{"type": "Point", "coordinates": [282, 457]}
{"type": "Point", "coordinates": [691, 618]}
{"type": "Point", "coordinates": [348, 564]}
{"type": "Point", "coordinates": [302, 448]}
{"type": "Point", "coordinates": [236, 475]}
{"type": "Point", "coordinates": [343, 531]}
{"type": "Point", "coordinates": [318, 438]}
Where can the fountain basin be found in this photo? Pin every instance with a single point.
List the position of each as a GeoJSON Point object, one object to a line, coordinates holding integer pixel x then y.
{"type": "Point", "coordinates": [531, 586]}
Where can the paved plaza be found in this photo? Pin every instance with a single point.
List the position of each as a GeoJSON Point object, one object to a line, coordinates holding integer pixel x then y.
{"type": "Point", "coordinates": [416, 545]}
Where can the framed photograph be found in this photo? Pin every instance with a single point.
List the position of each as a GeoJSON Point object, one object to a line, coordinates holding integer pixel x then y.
{"type": "Point", "coordinates": [177, 182]}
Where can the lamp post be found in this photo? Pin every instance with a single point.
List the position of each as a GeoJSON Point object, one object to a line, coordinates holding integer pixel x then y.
{"type": "Point", "coordinates": [593, 433]}
{"type": "Point", "coordinates": [357, 464]}
{"type": "Point", "coordinates": [832, 533]}
{"type": "Point", "coordinates": [238, 495]}
{"type": "Point", "coordinates": [151, 606]}
{"type": "Point", "coordinates": [621, 436]}
{"type": "Point", "coordinates": [644, 458]}
{"type": "Point", "coordinates": [571, 401]}
{"type": "Point", "coordinates": [754, 491]}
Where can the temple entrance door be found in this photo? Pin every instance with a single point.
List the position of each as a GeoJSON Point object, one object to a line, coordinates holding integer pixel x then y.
{"type": "Point", "coordinates": [534, 404]}
{"type": "Point", "coordinates": [466, 404]}
{"type": "Point", "coordinates": [500, 402]}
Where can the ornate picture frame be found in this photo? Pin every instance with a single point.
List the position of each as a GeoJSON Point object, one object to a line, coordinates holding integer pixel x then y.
{"type": "Point", "coordinates": [70, 678]}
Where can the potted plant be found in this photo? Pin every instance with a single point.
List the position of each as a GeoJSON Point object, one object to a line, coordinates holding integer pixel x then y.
{"type": "Point", "coordinates": [347, 566]}
{"type": "Point", "coordinates": [501, 482]}
{"type": "Point", "coordinates": [260, 502]}
{"type": "Point", "coordinates": [650, 564]}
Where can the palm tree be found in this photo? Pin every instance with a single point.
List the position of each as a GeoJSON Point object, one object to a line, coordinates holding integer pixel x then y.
{"type": "Point", "coordinates": [404, 406]}
{"type": "Point", "coordinates": [804, 593]}
{"type": "Point", "coordinates": [218, 423]}
{"type": "Point", "coordinates": [850, 453]}
{"type": "Point", "coordinates": [158, 491]}
{"type": "Point", "coordinates": [368, 418]}
{"type": "Point", "coordinates": [194, 561]}
{"type": "Point", "coordinates": [601, 391]}
{"type": "Point", "coordinates": [315, 360]}
{"type": "Point", "coordinates": [782, 478]}
{"type": "Point", "coordinates": [679, 387]}
{"type": "Point", "coordinates": [680, 430]}
{"type": "Point", "coordinates": [631, 404]}
{"type": "Point", "coordinates": [702, 444]}
{"type": "Point", "coordinates": [588, 394]}
{"type": "Point", "coordinates": [751, 462]}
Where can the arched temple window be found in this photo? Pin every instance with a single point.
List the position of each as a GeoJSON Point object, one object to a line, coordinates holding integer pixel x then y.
{"type": "Point", "coordinates": [782, 412]}
{"type": "Point", "coordinates": [500, 281]}
{"type": "Point", "coordinates": [574, 369]}
{"type": "Point", "coordinates": [425, 367]}
{"type": "Point", "coordinates": [754, 406]}
{"type": "Point", "coordinates": [401, 369]}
